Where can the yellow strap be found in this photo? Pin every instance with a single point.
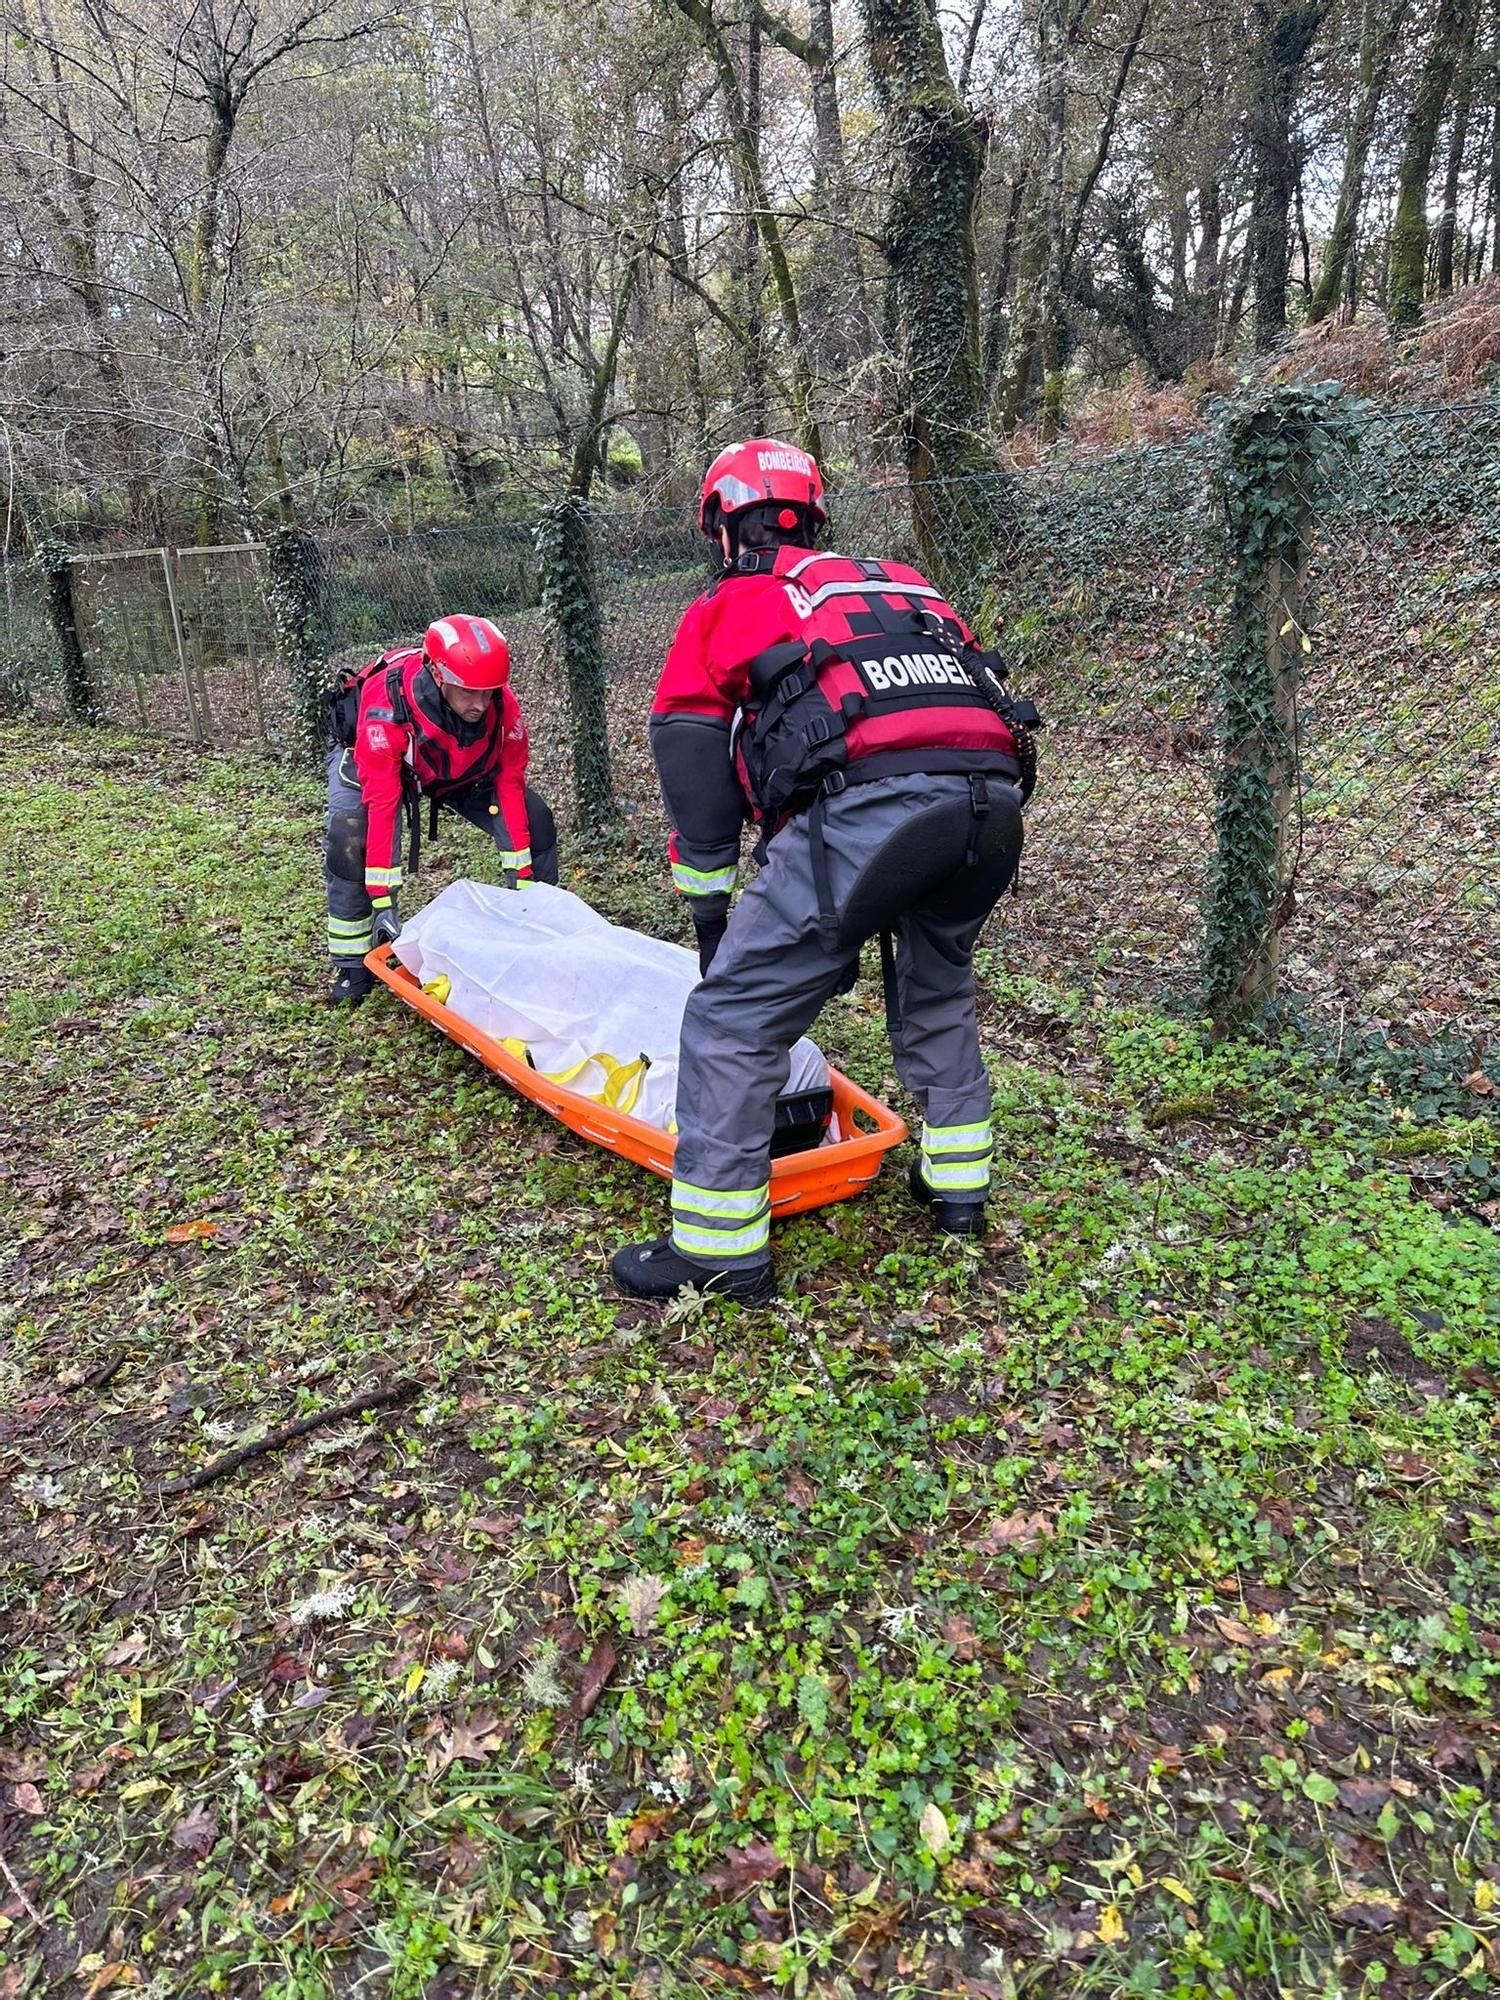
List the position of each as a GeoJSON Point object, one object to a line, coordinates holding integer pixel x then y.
{"type": "Point", "coordinates": [622, 1081]}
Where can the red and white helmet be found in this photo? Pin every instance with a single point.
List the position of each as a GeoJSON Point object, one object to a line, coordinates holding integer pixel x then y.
{"type": "Point", "coordinates": [761, 469]}
{"type": "Point", "coordinates": [467, 652]}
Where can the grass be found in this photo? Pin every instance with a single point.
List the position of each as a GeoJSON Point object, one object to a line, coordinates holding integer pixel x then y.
{"type": "Point", "coordinates": [1109, 1609]}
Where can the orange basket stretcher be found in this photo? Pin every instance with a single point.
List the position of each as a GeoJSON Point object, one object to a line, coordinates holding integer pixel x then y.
{"type": "Point", "coordinates": [799, 1181]}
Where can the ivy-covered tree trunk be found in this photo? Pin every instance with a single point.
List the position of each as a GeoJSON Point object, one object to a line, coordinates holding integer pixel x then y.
{"type": "Point", "coordinates": [1406, 283]}
{"type": "Point", "coordinates": [1269, 478]}
{"type": "Point", "coordinates": [938, 153]}
{"type": "Point", "coordinates": [570, 605]}
{"type": "Point", "coordinates": [55, 560]}
{"type": "Point", "coordinates": [296, 595]}
{"type": "Point", "coordinates": [1458, 139]}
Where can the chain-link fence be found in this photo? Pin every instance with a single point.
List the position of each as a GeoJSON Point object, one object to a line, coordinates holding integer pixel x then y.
{"type": "Point", "coordinates": [1107, 583]}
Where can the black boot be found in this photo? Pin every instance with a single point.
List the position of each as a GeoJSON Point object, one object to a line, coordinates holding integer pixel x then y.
{"type": "Point", "coordinates": [351, 984]}
{"type": "Point", "coordinates": [656, 1271]}
{"type": "Point", "coordinates": [954, 1215]}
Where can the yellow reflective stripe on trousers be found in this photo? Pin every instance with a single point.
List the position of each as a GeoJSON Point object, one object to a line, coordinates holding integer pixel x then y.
{"type": "Point", "coordinates": [956, 1159]}
{"type": "Point", "coordinates": [956, 1138]}
{"type": "Point", "coordinates": [721, 1224]}
{"type": "Point", "coordinates": [703, 881]}
{"type": "Point", "coordinates": [515, 857]}
{"type": "Point", "coordinates": [382, 878]}
{"type": "Point", "coordinates": [944, 1176]}
{"type": "Point", "coordinates": [731, 1202]}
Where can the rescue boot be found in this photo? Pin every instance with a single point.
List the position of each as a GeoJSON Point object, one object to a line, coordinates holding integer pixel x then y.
{"type": "Point", "coordinates": [656, 1271]}
{"type": "Point", "coordinates": [351, 985]}
{"type": "Point", "coordinates": [954, 1217]}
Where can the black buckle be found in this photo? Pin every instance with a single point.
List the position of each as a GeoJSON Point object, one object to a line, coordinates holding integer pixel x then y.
{"type": "Point", "coordinates": [979, 796]}
{"type": "Point", "coordinates": [833, 784]}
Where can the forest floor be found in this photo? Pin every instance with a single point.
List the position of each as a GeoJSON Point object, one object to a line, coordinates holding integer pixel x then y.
{"type": "Point", "coordinates": [1111, 1608]}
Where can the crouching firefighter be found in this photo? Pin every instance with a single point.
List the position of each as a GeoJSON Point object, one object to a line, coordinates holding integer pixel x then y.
{"type": "Point", "coordinates": [438, 721]}
{"type": "Point", "coordinates": [849, 708]}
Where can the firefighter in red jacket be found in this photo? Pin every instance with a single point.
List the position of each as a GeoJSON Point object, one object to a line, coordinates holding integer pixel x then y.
{"type": "Point", "coordinates": [441, 721]}
{"type": "Point", "coordinates": [846, 707]}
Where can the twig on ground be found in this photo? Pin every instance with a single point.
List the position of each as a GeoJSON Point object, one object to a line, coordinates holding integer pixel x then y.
{"type": "Point", "coordinates": [230, 1461]}
{"type": "Point", "coordinates": [105, 1374]}
{"type": "Point", "coordinates": [26, 1903]}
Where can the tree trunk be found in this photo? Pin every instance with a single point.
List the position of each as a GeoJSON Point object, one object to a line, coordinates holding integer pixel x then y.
{"type": "Point", "coordinates": [1379, 34]}
{"type": "Point", "coordinates": [1408, 265]}
{"type": "Point", "coordinates": [1285, 30]}
{"type": "Point", "coordinates": [1458, 139]}
{"type": "Point", "coordinates": [938, 154]}
{"type": "Point", "coordinates": [840, 322]}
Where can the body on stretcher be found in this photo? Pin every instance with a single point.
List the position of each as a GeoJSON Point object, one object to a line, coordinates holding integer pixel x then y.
{"type": "Point", "coordinates": [583, 1018]}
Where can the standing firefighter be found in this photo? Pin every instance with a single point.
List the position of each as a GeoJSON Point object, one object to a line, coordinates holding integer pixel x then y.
{"type": "Point", "coordinates": [852, 709]}
{"type": "Point", "coordinates": [441, 721]}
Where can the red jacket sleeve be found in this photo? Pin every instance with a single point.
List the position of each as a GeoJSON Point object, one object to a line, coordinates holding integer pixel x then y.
{"type": "Point", "coordinates": [380, 757]}
{"type": "Point", "coordinates": [510, 787]}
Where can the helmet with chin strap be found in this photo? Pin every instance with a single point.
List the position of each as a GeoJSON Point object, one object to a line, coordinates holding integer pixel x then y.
{"type": "Point", "coordinates": [758, 473]}
{"type": "Point", "coordinates": [466, 652]}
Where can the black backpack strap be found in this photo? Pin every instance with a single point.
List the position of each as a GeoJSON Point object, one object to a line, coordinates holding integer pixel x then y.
{"type": "Point", "coordinates": [828, 920]}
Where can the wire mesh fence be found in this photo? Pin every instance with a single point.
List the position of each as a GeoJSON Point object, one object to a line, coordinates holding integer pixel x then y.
{"type": "Point", "coordinates": [1106, 583]}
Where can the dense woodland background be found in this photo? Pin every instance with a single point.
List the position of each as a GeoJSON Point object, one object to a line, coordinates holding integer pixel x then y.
{"type": "Point", "coordinates": [276, 262]}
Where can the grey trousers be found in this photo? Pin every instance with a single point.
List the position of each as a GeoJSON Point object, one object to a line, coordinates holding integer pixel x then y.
{"type": "Point", "coordinates": [350, 918]}
{"type": "Point", "coordinates": [899, 857]}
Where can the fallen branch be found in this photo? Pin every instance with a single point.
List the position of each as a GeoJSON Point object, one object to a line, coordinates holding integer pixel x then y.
{"type": "Point", "coordinates": [230, 1461]}
{"type": "Point", "coordinates": [25, 1901]}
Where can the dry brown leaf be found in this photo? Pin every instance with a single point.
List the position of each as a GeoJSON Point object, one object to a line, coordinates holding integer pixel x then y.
{"type": "Point", "coordinates": [196, 1832]}
{"type": "Point", "coordinates": [600, 1665]}
{"type": "Point", "coordinates": [961, 1636]}
{"type": "Point", "coordinates": [1232, 1630]}
{"type": "Point", "coordinates": [933, 1827]}
{"type": "Point", "coordinates": [192, 1232]}
{"type": "Point", "coordinates": [114, 1972]}
{"type": "Point", "coordinates": [28, 1800]}
{"type": "Point", "coordinates": [472, 1741]}
{"type": "Point", "coordinates": [1014, 1531]}
{"type": "Point", "coordinates": [648, 1826]}
{"type": "Point", "coordinates": [125, 1652]}
{"type": "Point", "coordinates": [743, 1869]}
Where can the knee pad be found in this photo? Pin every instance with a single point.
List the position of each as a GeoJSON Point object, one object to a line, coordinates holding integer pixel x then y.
{"type": "Point", "coordinates": [346, 845]}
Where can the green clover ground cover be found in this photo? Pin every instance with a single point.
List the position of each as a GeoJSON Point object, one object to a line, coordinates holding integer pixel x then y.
{"type": "Point", "coordinates": [1113, 1608]}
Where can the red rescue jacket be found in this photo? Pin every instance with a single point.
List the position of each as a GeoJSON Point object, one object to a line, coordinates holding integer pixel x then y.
{"type": "Point", "coordinates": [892, 661]}
{"type": "Point", "coordinates": [417, 733]}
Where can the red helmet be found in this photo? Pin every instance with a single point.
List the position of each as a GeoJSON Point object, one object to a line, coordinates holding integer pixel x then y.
{"type": "Point", "coordinates": [467, 652]}
{"type": "Point", "coordinates": [761, 469]}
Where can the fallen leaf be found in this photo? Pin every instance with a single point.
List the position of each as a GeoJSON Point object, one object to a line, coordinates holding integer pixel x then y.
{"type": "Point", "coordinates": [933, 1828]}
{"type": "Point", "coordinates": [1478, 1084]}
{"type": "Point", "coordinates": [127, 1651]}
{"type": "Point", "coordinates": [20, 1767]}
{"type": "Point", "coordinates": [1014, 1531]}
{"type": "Point", "coordinates": [494, 1527]}
{"type": "Point", "coordinates": [196, 1832]}
{"type": "Point", "coordinates": [1363, 1795]}
{"type": "Point", "coordinates": [28, 1800]}
{"type": "Point", "coordinates": [1367, 1906]}
{"type": "Point", "coordinates": [1178, 1889]}
{"type": "Point", "coordinates": [743, 1868]}
{"type": "Point", "coordinates": [1232, 1630]}
{"type": "Point", "coordinates": [192, 1232]}
{"type": "Point", "coordinates": [358, 1730]}
{"type": "Point", "coordinates": [800, 1491]}
{"type": "Point", "coordinates": [622, 1869]}
{"type": "Point", "coordinates": [115, 1972]}
{"type": "Point", "coordinates": [648, 1826]}
{"type": "Point", "coordinates": [599, 1666]}
{"type": "Point", "coordinates": [961, 1636]}
{"type": "Point", "coordinates": [1111, 1925]}
{"type": "Point", "coordinates": [473, 1741]}
{"type": "Point", "coordinates": [286, 1667]}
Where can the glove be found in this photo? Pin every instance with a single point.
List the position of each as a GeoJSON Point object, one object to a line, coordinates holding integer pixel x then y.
{"type": "Point", "coordinates": [387, 920]}
{"type": "Point", "coordinates": [710, 936]}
